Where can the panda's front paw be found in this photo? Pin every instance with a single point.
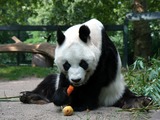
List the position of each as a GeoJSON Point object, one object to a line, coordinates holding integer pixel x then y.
{"type": "Point", "coordinates": [138, 102]}
{"type": "Point", "coordinates": [84, 107]}
{"type": "Point", "coordinates": [80, 108]}
{"type": "Point", "coordinates": [60, 97]}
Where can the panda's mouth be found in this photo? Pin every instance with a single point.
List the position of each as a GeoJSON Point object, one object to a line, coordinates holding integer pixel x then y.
{"type": "Point", "coordinates": [76, 84]}
{"type": "Point", "coordinates": [79, 84]}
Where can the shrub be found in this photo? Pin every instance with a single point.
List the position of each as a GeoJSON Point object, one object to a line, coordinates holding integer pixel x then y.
{"type": "Point", "coordinates": [144, 78]}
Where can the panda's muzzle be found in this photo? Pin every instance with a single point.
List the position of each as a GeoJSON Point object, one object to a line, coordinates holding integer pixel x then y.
{"type": "Point", "coordinates": [75, 80]}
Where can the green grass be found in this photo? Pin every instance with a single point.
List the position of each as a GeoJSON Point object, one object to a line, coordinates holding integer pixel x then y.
{"type": "Point", "coordinates": [19, 72]}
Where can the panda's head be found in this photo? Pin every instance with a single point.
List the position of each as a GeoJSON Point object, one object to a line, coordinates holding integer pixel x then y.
{"type": "Point", "coordinates": [77, 54]}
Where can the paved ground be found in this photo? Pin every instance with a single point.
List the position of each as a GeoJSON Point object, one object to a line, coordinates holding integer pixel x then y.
{"type": "Point", "coordinates": [14, 110]}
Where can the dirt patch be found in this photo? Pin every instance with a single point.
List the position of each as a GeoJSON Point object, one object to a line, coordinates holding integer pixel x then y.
{"type": "Point", "coordinates": [15, 110]}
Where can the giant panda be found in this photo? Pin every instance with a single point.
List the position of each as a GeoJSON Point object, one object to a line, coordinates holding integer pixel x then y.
{"type": "Point", "coordinates": [88, 60]}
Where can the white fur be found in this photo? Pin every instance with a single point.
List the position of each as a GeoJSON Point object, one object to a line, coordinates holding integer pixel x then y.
{"type": "Point", "coordinates": [74, 50]}
{"type": "Point", "coordinates": [57, 81]}
{"type": "Point", "coordinates": [112, 93]}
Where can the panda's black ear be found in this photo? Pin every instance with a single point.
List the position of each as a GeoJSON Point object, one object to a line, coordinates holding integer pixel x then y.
{"type": "Point", "coordinates": [84, 33]}
{"type": "Point", "coordinates": [60, 37]}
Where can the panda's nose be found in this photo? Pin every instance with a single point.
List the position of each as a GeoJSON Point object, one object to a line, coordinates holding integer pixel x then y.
{"type": "Point", "coordinates": [75, 80]}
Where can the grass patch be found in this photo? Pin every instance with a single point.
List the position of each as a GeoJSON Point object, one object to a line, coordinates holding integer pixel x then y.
{"type": "Point", "coordinates": [18, 72]}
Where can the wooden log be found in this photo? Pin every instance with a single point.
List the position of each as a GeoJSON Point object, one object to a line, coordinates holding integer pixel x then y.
{"type": "Point", "coordinates": [41, 61]}
{"type": "Point", "coordinates": [43, 53]}
{"type": "Point", "coordinates": [42, 48]}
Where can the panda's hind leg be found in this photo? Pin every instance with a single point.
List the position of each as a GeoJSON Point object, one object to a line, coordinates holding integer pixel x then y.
{"type": "Point", "coordinates": [130, 100]}
{"type": "Point", "coordinates": [42, 94]}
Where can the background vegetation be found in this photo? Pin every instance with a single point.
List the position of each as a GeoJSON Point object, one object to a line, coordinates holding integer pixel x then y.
{"type": "Point", "coordinates": [142, 77]}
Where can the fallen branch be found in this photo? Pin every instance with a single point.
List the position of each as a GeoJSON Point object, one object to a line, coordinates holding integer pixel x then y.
{"type": "Point", "coordinates": [9, 99]}
{"type": "Point", "coordinates": [45, 49]}
{"type": "Point", "coordinates": [16, 39]}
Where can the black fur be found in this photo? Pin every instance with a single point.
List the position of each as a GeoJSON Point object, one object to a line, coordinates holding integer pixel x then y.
{"type": "Point", "coordinates": [107, 67]}
{"type": "Point", "coordinates": [44, 91]}
{"type": "Point", "coordinates": [83, 64]}
{"type": "Point", "coordinates": [66, 66]}
{"type": "Point", "coordinates": [84, 33]}
{"type": "Point", "coordinates": [60, 37]}
{"type": "Point", "coordinates": [85, 96]}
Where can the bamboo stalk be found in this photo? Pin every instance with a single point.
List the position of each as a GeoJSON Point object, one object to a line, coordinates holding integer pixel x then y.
{"type": "Point", "coordinates": [11, 97]}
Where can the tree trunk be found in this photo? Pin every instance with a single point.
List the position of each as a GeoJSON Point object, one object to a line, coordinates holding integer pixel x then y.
{"type": "Point", "coordinates": [141, 32]}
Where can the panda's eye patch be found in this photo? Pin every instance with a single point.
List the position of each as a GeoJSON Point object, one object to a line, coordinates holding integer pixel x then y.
{"type": "Point", "coordinates": [83, 64]}
{"type": "Point", "coordinates": [66, 66]}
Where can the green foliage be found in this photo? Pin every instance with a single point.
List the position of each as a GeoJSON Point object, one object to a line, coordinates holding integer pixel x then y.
{"type": "Point", "coordinates": [40, 37]}
{"type": "Point", "coordinates": [144, 79]}
{"type": "Point", "coordinates": [16, 11]}
{"type": "Point", "coordinates": [18, 72]}
{"type": "Point", "coordinates": [35, 37]}
{"type": "Point", "coordinates": [117, 38]}
{"type": "Point", "coordinates": [73, 12]}
{"type": "Point", "coordinates": [45, 12]}
{"type": "Point", "coordinates": [37, 12]}
{"type": "Point", "coordinates": [138, 64]}
{"type": "Point", "coordinates": [6, 58]}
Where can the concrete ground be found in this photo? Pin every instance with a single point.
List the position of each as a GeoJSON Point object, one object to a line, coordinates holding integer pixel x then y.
{"type": "Point", "coordinates": [15, 110]}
